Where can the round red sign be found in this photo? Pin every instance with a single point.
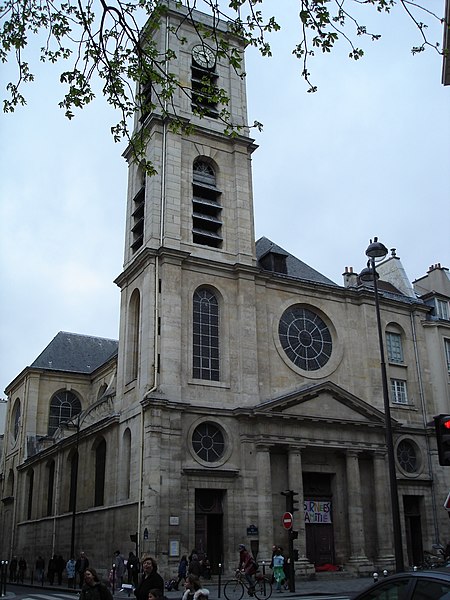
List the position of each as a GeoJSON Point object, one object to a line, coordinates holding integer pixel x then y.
{"type": "Point", "coordinates": [287, 520]}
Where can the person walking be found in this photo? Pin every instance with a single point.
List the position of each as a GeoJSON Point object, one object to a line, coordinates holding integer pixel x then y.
{"type": "Point", "coordinates": [22, 569]}
{"type": "Point", "coordinates": [133, 569]}
{"type": "Point", "coordinates": [40, 569]}
{"type": "Point", "coordinates": [194, 567]}
{"type": "Point", "coordinates": [60, 565]}
{"type": "Point", "coordinates": [51, 570]}
{"type": "Point", "coordinates": [120, 567]}
{"type": "Point", "coordinates": [278, 569]}
{"type": "Point", "coordinates": [92, 588]}
{"type": "Point", "coordinates": [70, 570]}
{"type": "Point", "coordinates": [182, 571]}
{"type": "Point", "coordinates": [13, 569]}
{"type": "Point", "coordinates": [151, 579]}
{"type": "Point", "coordinates": [80, 567]}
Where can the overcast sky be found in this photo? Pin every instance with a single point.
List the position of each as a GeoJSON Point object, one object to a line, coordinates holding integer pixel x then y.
{"type": "Point", "coordinates": [368, 154]}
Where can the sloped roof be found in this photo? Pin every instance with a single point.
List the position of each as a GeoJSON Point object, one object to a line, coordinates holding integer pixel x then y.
{"type": "Point", "coordinates": [76, 353]}
{"type": "Point", "coordinates": [295, 267]}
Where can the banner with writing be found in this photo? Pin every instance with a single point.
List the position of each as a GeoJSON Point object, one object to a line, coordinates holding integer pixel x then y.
{"type": "Point", "coordinates": [317, 511]}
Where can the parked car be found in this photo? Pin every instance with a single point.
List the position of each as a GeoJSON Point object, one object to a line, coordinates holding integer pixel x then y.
{"type": "Point", "coordinates": [411, 585]}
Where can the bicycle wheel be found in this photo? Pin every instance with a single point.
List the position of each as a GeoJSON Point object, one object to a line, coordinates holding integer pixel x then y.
{"type": "Point", "coordinates": [263, 589]}
{"type": "Point", "coordinates": [233, 590]}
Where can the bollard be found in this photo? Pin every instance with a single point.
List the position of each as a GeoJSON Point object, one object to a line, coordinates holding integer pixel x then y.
{"type": "Point", "coordinates": [113, 578]}
{"type": "Point", "coordinates": [385, 573]}
{"type": "Point", "coordinates": [415, 568]}
{"type": "Point", "coordinates": [375, 577]}
{"type": "Point", "coordinates": [219, 581]}
{"type": "Point", "coordinates": [3, 572]}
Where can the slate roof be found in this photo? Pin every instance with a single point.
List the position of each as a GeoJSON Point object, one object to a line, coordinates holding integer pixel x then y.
{"type": "Point", "coordinates": [76, 353]}
{"type": "Point", "coordinates": [295, 267]}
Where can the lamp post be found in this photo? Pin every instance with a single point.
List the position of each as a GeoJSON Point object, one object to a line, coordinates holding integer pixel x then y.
{"type": "Point", "coordinates": [377, 250]}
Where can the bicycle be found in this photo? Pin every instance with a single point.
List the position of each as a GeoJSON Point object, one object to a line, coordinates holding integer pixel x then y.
{"type": "Point", "coordinates": [234, 588]}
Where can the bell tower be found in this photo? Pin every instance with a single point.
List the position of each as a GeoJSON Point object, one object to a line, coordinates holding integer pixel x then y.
{"type": "Point", "coordinates": [196, 212]}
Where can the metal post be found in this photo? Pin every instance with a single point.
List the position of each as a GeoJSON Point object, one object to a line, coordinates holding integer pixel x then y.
{"type": "Point", "coordinates": [113, 578]}
{"type": "Point", "coordinates": [396, 526]}
{"type": "Point", "coordinates": [219, 582]}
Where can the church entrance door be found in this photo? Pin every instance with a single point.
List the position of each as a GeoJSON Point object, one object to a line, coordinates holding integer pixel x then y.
{"type": "Point", "coordinates": [209, 526]}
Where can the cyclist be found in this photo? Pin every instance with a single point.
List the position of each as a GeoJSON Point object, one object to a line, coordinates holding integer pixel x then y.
{"type": "Point", "coordinates": [248, 566]}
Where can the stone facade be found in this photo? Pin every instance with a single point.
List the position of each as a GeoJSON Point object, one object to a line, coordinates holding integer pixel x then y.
{"type": "Point", "coordinates": [185, 456]}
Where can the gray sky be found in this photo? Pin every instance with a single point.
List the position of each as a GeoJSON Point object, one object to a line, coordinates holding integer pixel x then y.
{"type": "Point", "coordinates": [368, 154]}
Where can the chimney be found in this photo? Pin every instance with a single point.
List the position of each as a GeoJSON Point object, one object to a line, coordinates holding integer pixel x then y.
{"type": "Point", "coordinates": [350, 278]}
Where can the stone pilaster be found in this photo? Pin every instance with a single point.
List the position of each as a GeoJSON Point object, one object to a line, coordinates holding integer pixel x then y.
{"type": "Point", "coordinates": [385, 544]}
{"type": "Point", "coordinates": [265, 510]}
{"type": "Point", "coordinates": [358, 557]}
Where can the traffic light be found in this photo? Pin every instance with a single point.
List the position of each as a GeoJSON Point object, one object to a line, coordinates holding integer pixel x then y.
{"type": "Point", "coordinates": [293, 535]}
{"type": "Point", "coordinates": [291, 502]}
{"type": "Point", "coordinates": [442, 425]}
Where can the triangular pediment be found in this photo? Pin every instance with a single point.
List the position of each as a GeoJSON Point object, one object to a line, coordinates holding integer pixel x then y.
{"type": "Point", "coordinates": [324, 401]}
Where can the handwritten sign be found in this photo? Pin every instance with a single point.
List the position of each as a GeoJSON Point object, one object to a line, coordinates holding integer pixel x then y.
{"type": "Point", "coordinates": [317, 511]}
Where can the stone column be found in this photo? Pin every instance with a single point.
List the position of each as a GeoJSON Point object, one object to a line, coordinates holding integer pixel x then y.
{"type": "Point", "coordinates": [265, 509]}
{"type": "Point", "coordinates": [295, 477]}
{"type": "Point", "coordinates": [355, 511]}
{"type": "Point", "coordinates": [385, 544]}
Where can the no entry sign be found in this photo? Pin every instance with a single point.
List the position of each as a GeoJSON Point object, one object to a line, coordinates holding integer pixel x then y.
{"type": "Point", "coordinates": [287, 520]}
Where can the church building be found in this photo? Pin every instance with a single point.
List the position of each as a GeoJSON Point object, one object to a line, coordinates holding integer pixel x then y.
{"type": "Point", "coordinates": [240, 373]}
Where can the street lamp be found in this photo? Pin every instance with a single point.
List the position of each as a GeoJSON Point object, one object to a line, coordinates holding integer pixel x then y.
{"type": "Point", "coordinates": [377, 250]}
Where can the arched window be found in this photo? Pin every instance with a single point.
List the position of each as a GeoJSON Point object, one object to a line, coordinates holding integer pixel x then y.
{"type": "Point", "coordinates": [50, 486]}
{"type": "Point", "coordinates": [205, 335]}
{"type": "Point", "coordinates": [125, 470]}
{"type": "Point", "coordinates": [63, 406]}
{"type": "Point", "coordinates": [30, 490]}
{"type": "Point", "coordinates": [133, 336]}
{"type": "Point", "coordinates": [100, 470]}
{"type": "Point", "coordinates": [206, 215]}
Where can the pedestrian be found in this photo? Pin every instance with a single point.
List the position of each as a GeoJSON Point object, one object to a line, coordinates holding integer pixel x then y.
{"type": "Point", "coordinates": [120, 567]}
{"type": "Point", "coordinates": [40, 569]}
{"type": "Point", "coordinates": [13, 569]}
{"type": "Point", "coordinates": [22, 568]}
{"type": "Point", "coordinates": [206, 567]}
{"type": "Point", "coordinates": [191, 586]}
{"type": "Point", "coordinates": [51, 570]}
{"type": "Point", "coordinates": [278, 569]}
{"type": "Point", "coordinates": [60, 565]}
{"type": "Point", "coordinates": [133, 569]}
{"type": "Point", "coordinates": [155, 594]}
{"type": "Point", "coordinates": [80, 567]}
{"type": "Point", "coordinates": [182, 571]}
{"type": "Point", "coordinates": [92, 588]}
{"type": "Point", "coordinates": [70, 570]}
{"type": "Point", "coordinates": [247, 565]}
{"type": "Point", "coordinates": [151, 579]}
{"type": "Point", "coordinates": [194, 567]}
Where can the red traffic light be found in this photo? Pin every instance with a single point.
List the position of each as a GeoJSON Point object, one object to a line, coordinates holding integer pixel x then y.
{"type": "Point", "coordinates": [442, 426]}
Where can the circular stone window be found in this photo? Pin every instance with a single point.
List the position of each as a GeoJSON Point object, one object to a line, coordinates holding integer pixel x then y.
{"type": "Point", "coordinates": [305, 338]}
{"type": "Point", "coordinates": [208, 442]}
{"type": "Point", "coordinates": [407, 456]}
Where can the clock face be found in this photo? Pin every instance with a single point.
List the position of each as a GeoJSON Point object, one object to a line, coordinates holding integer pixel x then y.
{"type": "Point", "coordinates": [204, 56]}
{"type": "Point", "coordinates": [305, 338]}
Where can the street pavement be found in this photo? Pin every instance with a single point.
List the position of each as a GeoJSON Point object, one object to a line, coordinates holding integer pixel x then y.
{"type": "Point", "coordinates": [336, 586]}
